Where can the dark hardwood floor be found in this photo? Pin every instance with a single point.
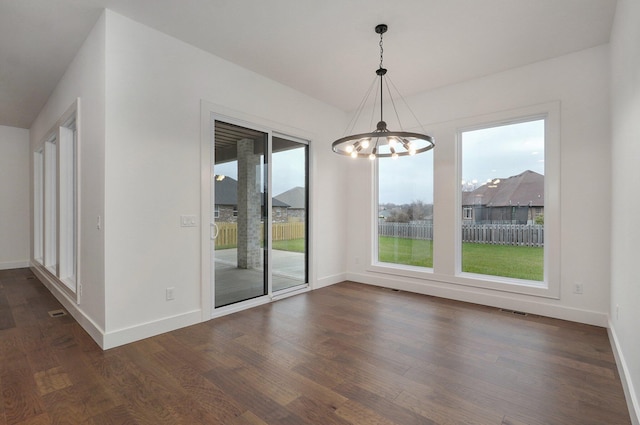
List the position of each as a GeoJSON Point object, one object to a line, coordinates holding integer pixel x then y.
{"type": "Point", "coordinates": [346, 354]}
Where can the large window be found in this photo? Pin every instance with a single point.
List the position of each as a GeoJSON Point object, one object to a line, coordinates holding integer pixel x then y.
{"type": "Point", "coordinates": [68, 199]}
{"type": "Point", "coordinates": [55, 201]}
{"type": "Point", "coordinates": [405, 210]}
{"type": "Point", "coordinates": [503, 183]}
{"type": "Point", "coordinates": [38, 206]}
{"type": "Point", "coordinates": [50, 205]}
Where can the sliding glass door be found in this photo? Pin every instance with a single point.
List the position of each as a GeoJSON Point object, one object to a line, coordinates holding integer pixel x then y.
{"type": "Point", "coordinates": [258, 241]}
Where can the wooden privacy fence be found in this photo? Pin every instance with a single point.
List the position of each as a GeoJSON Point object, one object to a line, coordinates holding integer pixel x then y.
{"type": "Point", "coordinates": [287, 231]}
{"type": "Point", "coordinates": [406, 230]}
{"type": "Point", "coordinates": [504, 234]}
{"type": "Point", "coordinates": [496, 234]}
{"type": "Point", "coordinates": [228, 232]}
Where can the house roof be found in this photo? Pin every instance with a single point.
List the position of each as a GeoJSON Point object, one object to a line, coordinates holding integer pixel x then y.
{"type": "Point", "coordinates": [295, 197]}
{"type": "Point", "coordinates": [226, 193]}
{"type": "Point", "coordinates": [526, 188]}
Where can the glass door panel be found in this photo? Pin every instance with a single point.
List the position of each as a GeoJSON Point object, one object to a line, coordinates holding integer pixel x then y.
{"type": "Point", "coordinates": [289, 175]}
{"type": "Point", "coordinates": [238, 214]}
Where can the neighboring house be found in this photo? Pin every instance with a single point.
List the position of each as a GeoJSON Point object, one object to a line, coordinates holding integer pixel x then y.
{"type": "Point", "coordinates": [383, 214]}
{"type": "Point", "coordinates": [226, 203]}
{"type": "Point", "coordinates": [514, 200]}
{"type": "Point", "coordinates": [296, 198]}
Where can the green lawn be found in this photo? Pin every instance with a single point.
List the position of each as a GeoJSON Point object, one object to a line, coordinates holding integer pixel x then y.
{"type": "Point", "coordinates": [520, 262]}
{"type": "Point", "coordinates": [221, 247]}
{"type": "Point", "coordinates": [295, 245]}
{"type": "Point", "coordinates": [411, 252]}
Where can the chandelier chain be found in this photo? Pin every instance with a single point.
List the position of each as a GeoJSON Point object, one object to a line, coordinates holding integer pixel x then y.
{"type": "Point", "coordinates": [381, 50]}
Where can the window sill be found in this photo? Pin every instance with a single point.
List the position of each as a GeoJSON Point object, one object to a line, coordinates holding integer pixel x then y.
{"type": "Point", "coordinates": [494, 283]}
{"type": "Point", "coordinates": [402, 270]}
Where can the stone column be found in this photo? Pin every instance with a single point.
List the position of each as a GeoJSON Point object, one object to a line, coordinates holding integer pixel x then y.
{"type": "Point", "coordinates": [249, 216]}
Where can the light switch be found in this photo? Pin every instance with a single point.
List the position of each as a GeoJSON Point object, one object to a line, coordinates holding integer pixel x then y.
{"type": "Point", "coordinates": [188, 221]}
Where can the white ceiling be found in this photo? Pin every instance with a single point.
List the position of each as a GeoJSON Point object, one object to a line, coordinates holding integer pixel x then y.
{"type": "Point", "coordinates": [327, 49]}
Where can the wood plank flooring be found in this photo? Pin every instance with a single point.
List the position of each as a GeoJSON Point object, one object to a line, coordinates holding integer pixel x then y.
{"type": "Point", "coordinates": [346, 354]}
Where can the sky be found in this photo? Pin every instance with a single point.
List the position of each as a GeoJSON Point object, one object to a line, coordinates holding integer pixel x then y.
{"type": "Point", "coordinates": [487, 154]}
{"type": "Point", "coordinates": [500, 152]}
{"type": "Point", "coordinates": [406, 179]}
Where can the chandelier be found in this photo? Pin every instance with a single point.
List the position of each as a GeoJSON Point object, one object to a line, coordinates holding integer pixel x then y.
{"type": "Point", "coordinates": [382, 142]}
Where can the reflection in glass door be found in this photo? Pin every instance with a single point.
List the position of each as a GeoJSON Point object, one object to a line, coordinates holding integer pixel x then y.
{"type": "Point", "coordinates": [289, 181]}
{"type": "Point", "coordinates": [238, 213]}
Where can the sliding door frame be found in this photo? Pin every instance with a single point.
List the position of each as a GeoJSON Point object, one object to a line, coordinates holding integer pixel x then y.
{"type": "Point", "coordinates": [209, 113]}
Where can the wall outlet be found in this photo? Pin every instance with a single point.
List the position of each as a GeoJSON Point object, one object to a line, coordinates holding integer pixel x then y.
{"type": "Point", "coordinates": [170, 293]}
{"type": "Point", "coordinates": [578, 288]}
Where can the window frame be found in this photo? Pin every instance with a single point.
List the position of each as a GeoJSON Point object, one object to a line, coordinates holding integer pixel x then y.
{"type": "Point", "coordinates": [549, 287]}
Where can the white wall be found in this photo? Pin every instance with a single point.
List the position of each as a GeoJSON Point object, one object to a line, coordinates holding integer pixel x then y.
{"type": "Point", "coordinates": [579, 82]}
{"type": "Point", "coordinates": [14, 197]}
{"type": "Point", "coordinates": [84, 79]}
{"type": "Point", "coordinates": [625, 202]}
{"type": "Point", "coordinates": [154, 85]}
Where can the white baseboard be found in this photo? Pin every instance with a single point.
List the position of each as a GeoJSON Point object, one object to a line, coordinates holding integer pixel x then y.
{"type": "Point", "coordinates": [92, 328]}
{"type": "Point", "coordinates": [627, 384]}
{"type": "Point", "coordinates": [488, 298]}
{"type": "Point", "coordinates": [330, 280]}
{"type": "Point", "coordinates": [146, 330]}
{"type": "Point", "coordinates": [14, 265]}
{"type": "Point", "coordinates": [118, 337]}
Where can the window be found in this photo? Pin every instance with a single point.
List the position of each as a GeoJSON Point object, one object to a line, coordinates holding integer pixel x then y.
{"type": "Point", "coordinates": [67, 198]}
{"type": "Point", "coordinates": [503, 183]}
{"type": "Point", "coordinates": [50, 205]}
{"type": "Point", "coordinates": [435, 220]}
{"type": "Point", "coordinates": [216, 211]}
{"type": "Point", "coordinates": [55, 201]}
{"type": "Point", "coordinates": [38, 205]}
{"type": "Point", "coordinates": [405, 210]}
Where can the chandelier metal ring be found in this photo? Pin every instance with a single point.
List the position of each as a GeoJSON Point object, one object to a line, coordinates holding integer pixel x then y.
{"type": "Point", "coordinates": [426, 143]}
